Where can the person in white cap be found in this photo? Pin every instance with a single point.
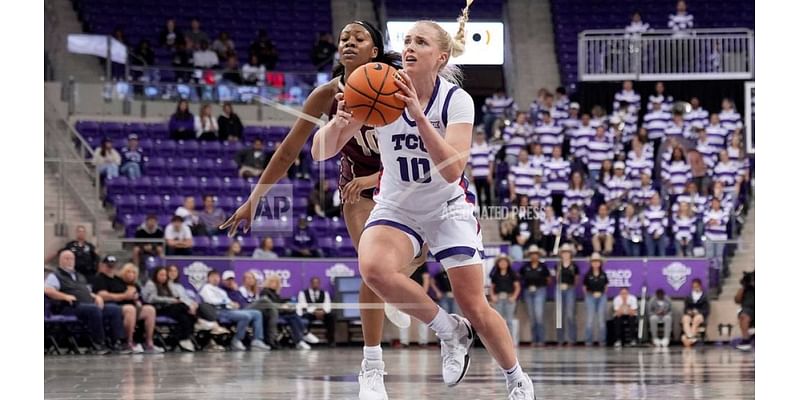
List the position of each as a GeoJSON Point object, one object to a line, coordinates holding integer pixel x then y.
{"type": "Point", "coordinates": [573, 121]}
{"type": "Point", "coordinates": [535, 277]}
{"type": "Point", "coordinates": [617, 188]}
{"type": "Point", "coordinates": [595, 285]}
{"type": "Point", "coordinates": [132, 158]}
{"type": "Point", "coordinates": [568, 271]}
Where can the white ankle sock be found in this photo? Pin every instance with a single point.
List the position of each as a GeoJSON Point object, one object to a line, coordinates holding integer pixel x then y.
{"type": "Point", "coordinates": [373, 354]}
{"type": "Point", "coordinates": [513, 374]}
{"type": "Point", "coordinates": [443, 324]}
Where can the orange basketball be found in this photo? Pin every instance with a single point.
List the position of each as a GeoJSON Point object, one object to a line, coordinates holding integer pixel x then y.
{"type": "Point", "coordinates": [369, 94]}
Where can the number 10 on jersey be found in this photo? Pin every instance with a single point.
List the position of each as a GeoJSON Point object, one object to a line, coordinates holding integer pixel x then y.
{"type": "Point", "coordinates": [420, 169]}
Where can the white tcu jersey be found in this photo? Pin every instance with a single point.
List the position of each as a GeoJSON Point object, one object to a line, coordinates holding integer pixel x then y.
{"type": "Point", "coordinates": [409, 179]}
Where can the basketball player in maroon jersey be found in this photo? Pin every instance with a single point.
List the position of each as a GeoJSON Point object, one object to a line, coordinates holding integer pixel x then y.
{"type": "Point", "coordinates": [359, 44]}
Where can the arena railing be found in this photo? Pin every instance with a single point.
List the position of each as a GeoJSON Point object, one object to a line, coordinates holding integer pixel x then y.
{"type": "Point", "coordinates": [708, 54]}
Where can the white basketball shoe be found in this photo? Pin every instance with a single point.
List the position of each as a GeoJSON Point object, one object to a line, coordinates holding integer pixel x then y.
{"type": "Point", "coordinates": [455, 352]}
{"type": "Point", "coordinates": [370, 381]}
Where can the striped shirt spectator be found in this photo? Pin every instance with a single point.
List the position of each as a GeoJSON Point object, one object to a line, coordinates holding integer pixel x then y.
{"type": "Point", "coordinates": [578, 194]}
{"type": "Point", "coordinates": [725, 198]}
{"type": "Point", "coordinates": [598, 149]}
{"type": "Point", "coordinates": [539, 195]}
{"type": "Point", "coordinates": [737, 154]}
{"type": "Point", "coordinates": [548, 134]}
{"type": "Point", "coordinates": [697, 203]}
{"type": "Point", "coordinates": [573, 120]}
{"type": "Point", "coordinates": [715, 220]}
{"type": "Point", "coordinates": [638, 163]}
{"type": "Point", "coordinates": [602, 224]}
{"type": "Point", "coordinates": [726, 171]}
{"type": "Point", "coordinates": [630, 225]}
{"type": "Point", "coordinates": [654, 217]}
{"type": "Point", "coordinates": [629, 96]}
{"type": "Point", "coordinates": [576, 222]}
{"type": "Point", "coordinates": [641, 196]}
{"type": "Point", "coordinates": [728, 117]}
{"type": "Point", "coordinates": [480, 157]}
{"type": "Point", "coordinates": [580, 137]}
{"type": "Point", "coordinates": [561, 100]}
{"type": "Point", "coordinates": [717, 133]}
{"type": "Point", "coordinates": [616, 189]}
{"type": "Point", "coordinates": [684, 225]}
{"type": "Point", "coordinates": [636, 27]}
{"type": "Point", "coordinates": [681, 22]}
{"type": "Point", "coordinates": [599, 117]}
{"type": "Point", "coordinates": [551, 225]}
{"type": "Point", "coordinates": [659, 97]}
{"type": "Point", "coordinates": [698, 116]}
{"type": "Point", "coordinates": [521, 176]}
{"type": "Point", "coordinates": [559, 116]}
{"type": "Point", "coordinates": [556, 172]}
{"type": "Point", "coordinates": [677, 128]}
{"type": "Point", "coordinates": [517, 136]}
{"type": "Point", "coordinates": [707, 151]}
{"type": "Point", "coordinates": [656, 122]}
{"type": "Point", "coordinates": [677, 173]}
{"type": "Point", "coordinates": [500, 105]}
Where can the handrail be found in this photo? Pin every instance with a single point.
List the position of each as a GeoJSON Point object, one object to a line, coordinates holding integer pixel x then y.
{"type": "Point", "coordinates": [656, 32]}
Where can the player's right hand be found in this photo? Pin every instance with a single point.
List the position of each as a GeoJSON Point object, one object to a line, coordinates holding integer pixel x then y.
{"type": "Point", "coordinates": [342, 117]}
{"type": "Point", "coordinates": [241, 216]}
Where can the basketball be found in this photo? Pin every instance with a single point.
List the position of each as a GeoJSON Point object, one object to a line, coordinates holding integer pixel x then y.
{"type": "Point", "coordinates": [369, 94]}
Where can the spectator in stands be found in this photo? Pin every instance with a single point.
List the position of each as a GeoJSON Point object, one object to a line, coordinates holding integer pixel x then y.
{"type": "Point", "coordinates": [182, 61]}
{"type": "Point", "coordinates": [132, 158]}
{"type": "Point", "coordinates": [656, 122]}
{"type": "Point", "coordinates": [676, 174]}
{"type": "Point", "coordinates": [695, 312]}
{"type": "Point", "coordinates": [568, 272]}
{"type": "Point", "coordinates": [158, 292]}
{"type": "Point", "coordinates": [534, 279]}
{"type": "Point", "coordinates": [561, 100]}
{"type": "Point", "coordinates": [516, 137]}
{"type": "Point", "coordinates": [170, 37]}
{"type": "Point", "coordinates": [423, 278]}
{"type": "Point", "coordinates": [250, 292]}
{"type": "Point", "coordinates": [234, 250]}
{"type": "Point", "coordinates": [716, 220]}
{"type": "Point", "coordinates": [194, 35]}
{"type": "Point", "coordinates": [717, 133]}
{"type": "Point", "coordinates": [265, 50]}
{"type": "Point", "coordinates": [603, 231]}
{"type": "Point", "coordinates": [665, 101]}
{"type": "Point", "coordinates": [213, 294]}
{"type": "Point", "coordinates": [580, 137]}
{"type": "Point", "coordinates": [548, 134]}
{"type": "Point", "coordinates": [206, 313]}
{"type": "Point", "coordinates": [728, 117]}
{"type": "Point", "coordinates": [71, 290]}
{"type": "Point", "coordinates": [265, 251]}
{"type": "Point", "coordinates": [599, 117]}
{"type": "Point", "coordinates": [314, 304]}
{"type": "Point", "coordinates": [677, 128]}
{"type": "Point", "coordinates": [637, 26]}
{"type": "Point", "coordinates": [577, 194]}
{"type": "Point", "coordinates": [204, 57]}
{"type": "Point", "coordinates": [149, 229]}
{"type": "Point", "coordinates": [572, 121]}
{"type": "Point", "coordinates": [697, 205]}
{"type": "Point", "coordinates": [205, 125]}
{"type": "Point", "coordinates": [323, 201]}
{"type": "Point", "coordinates": [520, 177]}
{"type": "Point", "coordinates": [598, 149]}
{"type": "Point", "coordinates": [627, 94]}
{"type": "Point", "coordinates": [289, 313]}
{"type": "Point", "coordinates": [727, 172]}
{"type": "Point", "coordinates": [556, 176]}
{"type": "Point", "coordinates": [698, 117]}
{"type": "Point", "coordinates": [323, 52]}
{"type": "Point", "coordinates": [499, 106]}
{"type": "Point", "coordinates": [625, 307]}
{"type": "Point", "coordinates": [229, 123]}
{"type": "Point", "coordinates": [655, 222]}
{"type": "Point", "coordinates": [107, 160]}
{"type": "Point", "coordinates": [641, 196]}
{"type": "Point", "coordinates": [304, 241]}
{"type": "Point", "coordinates": [124, 291]}
{"type": "Point", "coordinates": [505, 289]}
{"type": "Point", "coordinates": [223, 46]}
{"type": "Point", "coordinates": [252, 161]}
{"type": "Point", "coordinates": [143, 55]}
{"type": "Point", "coordinates": [540, 195]}
{"type": "Point", "coordinates": [550, 227]}
{"type": "Point", "coordinates": [181, 123]}
{"type": "Point", "coordinates": [616, 189]}
{"type": "Point", "coordinates": [606, 172]}
{"type": "Point", "coordinates": [660, 312]}
{"type": "Point", "coordinates": [231, 73]}
{"type": "Point", "coordinates": [546, 106]}
{"type": "Point", "coordinates": [746, 298]}
{"type": "Point", "coordinates": [595, 284]}
{"type": "Point", "coordinates": [725, 198]}
{"type": "Point", "coordinates": [443, 292]}
{"type": "Point", "coordinates": [211, 217]}
{"type": "Point", "coordinates": [253, 72]}
{"type": "Point", "coordinates": [630, 227]}
{"type": "Point", "coordinates": [300, 168]}
{"type": "Point", "coordinates": [481, 162]}
{"type": "Point", "coordinates": [681, 22]}
{"type": "Point", "coordinates": [684, 226]}
{"type": "Point", "coordinates": [84, 253]}
{"type": "Point", "coordinates": [191, 218]}
{"type": "Point", "coordinates": [178, 237]}
{"type": "Point", "coordinates": [708, 151]}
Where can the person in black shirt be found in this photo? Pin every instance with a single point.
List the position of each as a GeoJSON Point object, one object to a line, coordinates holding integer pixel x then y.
{"type": "Point", "coordinates": [423, 278]}
{"type": "Point", "coordinates": [535, 278]}
{"type": "Point", "coordinates": [505, 289]}
{"type": "Point", "coordinates": [746, 297]}
{"type": "Point", "coordinates": [265, 50]}
{"type": "Point", "coordinates": [695, 312]}
{"type": "Point", "coordinates": [567, 273]}
{"type": "Point", "coordinates": [116, 292]}
{"type": "Point", "coordinates": [85, 255]}
{"type": "Point", "coordinates": [595, 284]}
{"type": "Point", "coordinates": [444, 292]}
{"type": "Point", "coordinates": [142, 251]}
{"type": "Point", "coordinates": [323, 52]}
{"type": "Point", "coordinates": [229, 123]}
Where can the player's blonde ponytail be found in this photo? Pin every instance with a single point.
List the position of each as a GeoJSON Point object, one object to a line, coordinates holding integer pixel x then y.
{"type": "Point", "coordinates": [459, 41]}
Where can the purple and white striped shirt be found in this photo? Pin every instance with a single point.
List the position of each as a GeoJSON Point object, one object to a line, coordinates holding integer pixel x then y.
{"type": "Point", "coordinates": [678, 174]}
{"type": "Point", "coordinates": [684, 227]}
{"type": "Point", "coordinates": [603, 226]}
{"type": "Point", "coordinates": [655, 219]}
{"type": "Point", "coordinates": [517, 137]}
{"type": "Point", "coordinates": [655, 122]}
{"type": "Point", "coordinates": [719, 229]}
{"type": "Point", "coordinates": [549, 136]}
{"type": "Point", "coordinates": [556, 174]}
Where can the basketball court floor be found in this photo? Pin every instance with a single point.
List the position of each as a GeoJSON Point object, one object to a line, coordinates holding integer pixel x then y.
{"type": "Point", "coordinates": [558, 373]}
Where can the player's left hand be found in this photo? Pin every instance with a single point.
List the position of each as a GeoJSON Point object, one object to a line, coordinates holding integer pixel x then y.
{"type": "Point", "coordinates": [409, 95]}
{"type": "Point", "coordinates": [352, 190]}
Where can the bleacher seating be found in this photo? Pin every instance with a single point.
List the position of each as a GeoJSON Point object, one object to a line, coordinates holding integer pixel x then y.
{"type": "Point", "coordinates": [292, 25]}
{"type": "Point", "coordinates": [444, 10]}
{"type": "Point", "coordinates": [570, 17]}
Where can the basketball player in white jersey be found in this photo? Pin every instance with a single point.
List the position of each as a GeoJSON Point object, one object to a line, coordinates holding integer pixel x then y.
{"type": "Point", "coordinates": [421, 198]}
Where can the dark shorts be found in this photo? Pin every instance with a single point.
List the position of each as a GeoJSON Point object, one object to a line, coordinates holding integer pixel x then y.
{"type": "Point", "coordinates": [749, 312]}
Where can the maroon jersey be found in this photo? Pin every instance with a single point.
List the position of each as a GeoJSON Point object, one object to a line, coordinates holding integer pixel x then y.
{"type": "Point", "coordinates": [359, 156]}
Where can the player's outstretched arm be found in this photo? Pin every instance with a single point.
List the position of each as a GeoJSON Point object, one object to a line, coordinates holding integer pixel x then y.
{"type": "Point", "coordinates": [329, 140]}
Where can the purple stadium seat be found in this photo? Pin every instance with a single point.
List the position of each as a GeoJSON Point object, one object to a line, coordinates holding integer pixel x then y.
{"type": "Point", "coordinates": [320, 226]}
{"type": "Point", "coordinates": [113, 130]}
{"type": "Point", "coordinates": [178, 166]}
{"type": "Point", "coordinates": [88, 128]}
{"type": "Point", "coordinates": [220, 243]}
{"type": "Point", "coordinates": [229, 149]}
{"type": "Point", "coordinates": [233, 186]}
{"type": "Point", "coordinates": [206, 167]}
{"type": "Point", "coordinates": [142, 185]}
{"type": "Point", "coordinates": [165, 148]}
{"type": "Point", "coordinates": [187, 149]}
{"type": "Point", "coordinates": [155, 166]}
{"type": "Point", "coordinates": [118, 185]}
{"type": "Point", "coordinates": [158, 131]}
{"type": "Point", "coordinates": [249, 243]}
{"type": "Point", "coordinates": [147, 145]}
{"type": "Point", "coordinates": [137, 128]}
{"type": "Point", "coordinates": [171, 203]}
{"type": "Point", "coordinates": [211, 150]}
{"type": "Point", "coordinates": [227, 204]}
{"type": "Point", "coordinates": [300, 205]}
{"type": "Point", "coordinates": [126, 204]}
{"type": "Point", "coordinates": [151, 204]}
{"type": "Point", "coordinates": [211, 185]}
{"type": "Point", "coordinates": [188, 185]}
{"type": "Point", "coordinates": [202, 245]}
{"type": "Point", "coordinates": [326, 245]}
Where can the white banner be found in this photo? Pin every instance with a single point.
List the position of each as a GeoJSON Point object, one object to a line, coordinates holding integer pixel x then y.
{"type": "Point", "coordinates": [97, 45]}
{"type": "Point", "coordinates": [484, 44]}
